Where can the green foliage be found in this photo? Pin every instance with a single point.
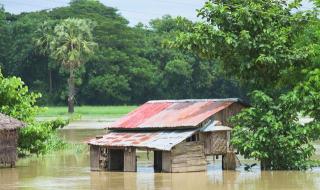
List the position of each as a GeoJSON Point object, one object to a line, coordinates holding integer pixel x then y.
{"type": "Point", "coordinates": [254, 40]}
{"type": "Point", "coordinates": [308, 92]}
{"type": "Point", "coordinates": [57, 123]}
{"type": "Point", "coordinates": [270, 46]}
{"type": "Point", "coordinates": [40, 138]}
{"type": "Point", "coordinates": [129, 66]}
{"type": "Point", "coordinates": [270, 131]}
{"type": "Point", "coordinates": [16, 100]}
{"type": "Point", "coordinates": [70, 43]}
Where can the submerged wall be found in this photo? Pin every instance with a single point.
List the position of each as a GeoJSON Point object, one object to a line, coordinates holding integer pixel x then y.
{"type": "Point", "coordinates": [188, 157]}
{"type": "Point", "coordinates": [8, 147]}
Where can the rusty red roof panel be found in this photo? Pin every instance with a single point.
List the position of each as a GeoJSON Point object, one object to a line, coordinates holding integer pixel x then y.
{"type": "Point", "coordinates": [172, 113]}
{"type": "Point", "coordinates": [139, 115]}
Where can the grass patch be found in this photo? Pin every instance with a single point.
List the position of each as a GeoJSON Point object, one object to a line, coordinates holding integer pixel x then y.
{"type": "Point", "coordinates": [87, 111]}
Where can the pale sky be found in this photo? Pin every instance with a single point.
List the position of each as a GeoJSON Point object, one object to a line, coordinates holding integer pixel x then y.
{"type": "Point", "coordinates": [133, 10]}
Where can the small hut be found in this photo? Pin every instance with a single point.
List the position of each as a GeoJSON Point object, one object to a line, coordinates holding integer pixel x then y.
{"type": "Point", "coordinates": [180, 132]}
{"type": "Point", "coordinates": [8, 140]}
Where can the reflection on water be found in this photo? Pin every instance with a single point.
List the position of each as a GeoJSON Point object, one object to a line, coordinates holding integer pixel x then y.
{"type": "Point", "coordinates": [70, 170]}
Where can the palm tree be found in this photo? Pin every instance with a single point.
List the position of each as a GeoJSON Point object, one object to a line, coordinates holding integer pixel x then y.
{"type": "Point", "coordinates": [70, 43]}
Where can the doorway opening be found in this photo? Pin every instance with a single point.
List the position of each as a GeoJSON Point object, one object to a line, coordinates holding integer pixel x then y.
{"type": "Point", "coordinates": [157, 161]}
{"type": "Point", "coordinates": [116, 161]}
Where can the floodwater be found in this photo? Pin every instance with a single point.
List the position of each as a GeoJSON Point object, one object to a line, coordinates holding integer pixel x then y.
{"type": "Point", "coordinates": [70, 170]}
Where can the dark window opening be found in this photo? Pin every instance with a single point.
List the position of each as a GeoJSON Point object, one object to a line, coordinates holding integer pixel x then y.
{"type": "Point", "coordinates": [116, 160]}
{"type": "Point", "coordinates": [193, 138]}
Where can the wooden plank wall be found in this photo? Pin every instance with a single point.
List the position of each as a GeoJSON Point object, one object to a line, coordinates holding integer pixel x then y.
{"type": "Point", "coordinates": [215, 143]}
{"type": "Point", "coordinates": [130, 161]}
{"type": "Point", "coordinates": [95, 158]}
{"type": "Point", "coordinates": [166, 161]}
{"type": "Point", "coordinates": [225, 114]}
{"type": "Point", "coordinates": [188, 157]}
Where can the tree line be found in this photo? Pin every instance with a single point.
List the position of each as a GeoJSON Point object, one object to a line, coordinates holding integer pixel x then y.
{"type": "Point", "coordinates": [130, 65]}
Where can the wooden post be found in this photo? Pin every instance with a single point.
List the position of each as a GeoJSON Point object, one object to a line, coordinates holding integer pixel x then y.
{"type": "Point", "coordinates": [228, 141]}
{"type": "Point", "coordinates": [130, 161]}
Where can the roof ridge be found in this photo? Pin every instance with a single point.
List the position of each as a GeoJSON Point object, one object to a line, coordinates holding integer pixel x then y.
{"type": "Point", "coordinates": [197, 100]}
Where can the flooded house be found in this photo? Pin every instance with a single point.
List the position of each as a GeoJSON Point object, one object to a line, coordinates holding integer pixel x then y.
{"type": "Point", "coordinates": [181, 134]}
{"type": "Point", "coordinates": [8, 140]}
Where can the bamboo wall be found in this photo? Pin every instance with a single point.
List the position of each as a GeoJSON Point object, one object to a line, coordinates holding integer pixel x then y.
{"type": "Point", "coordinates": [188, 157]}
{"type": "Point", "coordinates": [8, 147]}
{"type": "Point", "coordinates": [215, 143]}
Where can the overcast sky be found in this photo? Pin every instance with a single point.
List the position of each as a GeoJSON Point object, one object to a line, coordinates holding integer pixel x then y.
{"type": "Point", "coordinates": [134, 10]}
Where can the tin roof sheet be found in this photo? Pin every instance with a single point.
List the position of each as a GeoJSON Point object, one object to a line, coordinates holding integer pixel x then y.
{"type": "Point", "coordinates": [213, 126]}
{"type": "Point", "coordinates": [171, 113]}
{"type": "Point", "coordinates": [163, 140]}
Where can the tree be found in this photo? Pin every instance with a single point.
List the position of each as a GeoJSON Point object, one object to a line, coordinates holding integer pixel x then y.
{"type": "Point", "coordinates": [131, 65]}
{"type": "Point", "coordinates": [266, 46]}
{"type": "Point", "coordinates": [270, 132]}
{"type": "Point", "coordinates": [71, 43]}
{"type": "Point", "coordinates": [254, 41]}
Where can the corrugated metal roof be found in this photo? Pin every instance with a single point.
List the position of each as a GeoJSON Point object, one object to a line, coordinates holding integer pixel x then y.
{"type": "Point", "coordinates": [172, 113]}
{"type": "Point", "coordinates": [213, 126]}
{"type": "Point", "coordinates": [163, 140]}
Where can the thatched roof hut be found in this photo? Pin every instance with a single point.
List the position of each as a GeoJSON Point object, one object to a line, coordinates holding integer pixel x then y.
{"type": "Point", "coordinates": [8, 139]}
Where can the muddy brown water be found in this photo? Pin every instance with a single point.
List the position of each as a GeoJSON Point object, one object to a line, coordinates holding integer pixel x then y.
{"type": "Point", "coordinates": [70, 170]}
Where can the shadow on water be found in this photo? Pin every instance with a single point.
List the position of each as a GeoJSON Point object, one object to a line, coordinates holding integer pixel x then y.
{"type": "Point", "coordinates": [70, 170]}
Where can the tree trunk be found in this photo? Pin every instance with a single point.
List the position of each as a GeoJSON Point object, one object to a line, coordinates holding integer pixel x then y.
{"type": "Point", "coordinates": [50, 81]}
{"type": "Point", "coordinates": [71, 92]}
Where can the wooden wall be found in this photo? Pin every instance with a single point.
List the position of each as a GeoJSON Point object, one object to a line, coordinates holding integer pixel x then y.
{"type": "Point", "coordinates": [95, 158]}
{"type": "Point", "coordinates": [188, 157]}
{"type": "Point", "coordinates": [130, 161]}
{"type": "Point", "coordinates": [225, 114]}
{"type": "Point", "coordinates": [166, 161]}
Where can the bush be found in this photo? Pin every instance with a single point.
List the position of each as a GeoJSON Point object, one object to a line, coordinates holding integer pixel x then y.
{"type": "Point", "coordinates": [40, 138]}
{"type": "Point", "coordinates": [58, 123]}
